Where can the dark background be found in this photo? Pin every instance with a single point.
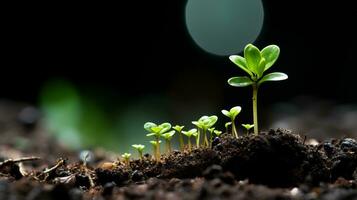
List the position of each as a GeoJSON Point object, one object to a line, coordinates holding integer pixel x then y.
{"type": "Point", "coordinates": [137, 47]}
{"type": "Point", "coordinates": [117, 54]}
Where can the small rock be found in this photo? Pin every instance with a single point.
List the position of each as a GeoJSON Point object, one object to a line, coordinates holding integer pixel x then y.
{"type": "Point", "coordinates": [212, 172]}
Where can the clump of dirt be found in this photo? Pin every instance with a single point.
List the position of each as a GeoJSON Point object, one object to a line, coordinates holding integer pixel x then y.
{"type": "Point", "coordinates": [272, 165]}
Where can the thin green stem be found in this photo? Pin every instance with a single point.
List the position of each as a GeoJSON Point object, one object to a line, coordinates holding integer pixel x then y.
{"type": "Point", "coordinates": [205, 137]}
{"type": "Point", "coordinates": [255, 108]}
{"type": "Point", "coordinates": [182, 144]}
{"type": "Point", "coordinates": [140, 154]}
{"type": "Point", "coordinates": [198, 138]}
{"type": "Point", "coordinates": [234, 130]}
{"type": "Point", "coordinates": [189, 143]}
{"type": "Point", "coordinates": [158, 148]}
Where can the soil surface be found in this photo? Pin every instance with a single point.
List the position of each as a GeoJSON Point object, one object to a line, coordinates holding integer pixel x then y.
{"type": "Point", "coordinates": [276, 164]}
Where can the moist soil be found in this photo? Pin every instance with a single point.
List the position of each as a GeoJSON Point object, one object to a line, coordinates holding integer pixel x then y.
{"type": "Point", "coordinates": [272, 165]}
{"type": "Point", "coordinates": [276, 164]}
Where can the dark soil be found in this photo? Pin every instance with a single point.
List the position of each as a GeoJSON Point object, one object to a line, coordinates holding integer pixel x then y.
{"type": "Point", "coordinates": [273, 165]}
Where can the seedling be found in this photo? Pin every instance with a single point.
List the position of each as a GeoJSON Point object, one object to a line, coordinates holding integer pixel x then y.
{"type": "Point", "coordinates": [157, 131]}
{"type": "Point", "coordinates": [126, 157]}
{"type": "Point", "coordinates": [155, 145]}
{"type": "Point", "coordinates": [227, 125]}
{"type": "Point", "coordinates": [232, 114]}
{"type": "Point", "coordinates": [204, 123]}
{"type": "Point", "coordinates": [211, 130]}
{"type": "Point", "coordinates": [179, 129]}
{"type": "Point", "coordinates": [189, 134]}
{"type": "Point", "coordinates": [248, 127]}
{"type": "Point", "coordinates": [168, 136]}
{"type": "Point", "coordinates": [255, 63]}
{"type": "Point", "coordinates": [217, 132]}
{"type": "Point", "coordinates": [139, 148]}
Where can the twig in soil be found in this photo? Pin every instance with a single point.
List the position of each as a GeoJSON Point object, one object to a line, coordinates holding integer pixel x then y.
{"type": "Point", "coordinates": [19, 160]}
{"type": "Point", "coordinates": [59, 163]}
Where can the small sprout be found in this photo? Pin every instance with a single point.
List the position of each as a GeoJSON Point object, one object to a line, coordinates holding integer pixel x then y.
{"type": "Point", "coordinates": [248, 127]}
{"type": "Point", "coordinates": [139, 148]}
{"type": "Point", "coordinates": [255, 63]}
{"type": "Point", "coordinates": [168, 136]}
{"type": "Point", "coordinates": [210, 135]}
{"type": "Point", "coordinates": [227, 125]}
{"type": "Point", "coordinates": [126, 157]}
{"type": "Point", "coordinates": [156, 145]}
{"type": "Point", "coordinates": [217, 132]}
{"type": "Point", "coordinates": [232, 114]}
{"type": "Point", "coordinates": [189, 134]}
{"type": "Point", "coordinates": [157, 131]}
{"type": "Point", "coordinates": [204, 123]}
{"type": "Point", "coordinates": [179, 130]}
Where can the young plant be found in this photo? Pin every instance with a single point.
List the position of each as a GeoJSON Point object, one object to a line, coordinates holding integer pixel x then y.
{"type": "Point", "coordinates": [155, 145]}
{"type": "Point", "coordinates": [168, 136]}
{"type": "Point", "coordinates": [217, 132]}
{"type": "Point", "coordinates": [204, 123]}
{"type": "Point", "coordinates": [179, 129]}
{"type": "Point", "coordinates": [227, 125]}
{"type": "Point", "coordinates": [140, 149]}
{"type": "Point", "coordinates": [255, 63]}
{"type": "Point", "coordinates": [232, 114]}
{"type": "Point", "coordinates": [126, 157]}
{"type": "Point", "coordinates": [157, 131]}
{"type": "Point", "coordinates": [211, 130]}
{"type": "Point", "coordinates": [189, 134]}
{"type": "Point", "coordinates": [248, 127]}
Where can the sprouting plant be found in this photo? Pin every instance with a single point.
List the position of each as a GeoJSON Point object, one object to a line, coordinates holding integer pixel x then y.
{"type": "Point", "coordinates": [217, 132]}
{"type": "Point", "coordinates": [255, 63]}
{"type": "Point", "coordinates": [126, 157]}
{"type": "Point", "coordinates": [211, 130]}
{"type": "Point", "coordinates": [232, 114]}
{"type": "Point", "coordinates": [168, 136]}
{"type": "Point", "coordinates": [189, 134]}
{"type": "Point", "coordinates": [139, 148]}
{"type": "Point", "coordinates": [248, 127]}
{"type": "Point", "coordinates": [204, 123]}
{"type": "Point", "coordinates": [227, 125]}
{"type": "Point", "coordinates": [179, 129]}
{"type": "Point", "coordinates": [155, 145]}
{"type": "Point", "coordinates": [157, 131]}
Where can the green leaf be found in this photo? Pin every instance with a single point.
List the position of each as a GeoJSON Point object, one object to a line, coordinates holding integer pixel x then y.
{"type": "Point", "coordinates": [240, 62]}
{"type": "Point", "coordinates": [178, 128]}
{"type": "Point", "coordinates": [197, 123]}
{"type": "Point", "coordinates": [217, 132]}
{"type": "Point", "coordinates": [240, 81]}
{"type": "Point", "coordinates": [275, 76]}
{"type": "Point", "coordinates": [165, 127]}
{"type": "Point", "coordinates": [235, 111]}
{"type": "Point", "coordinates": [252, 56]}
{"type": "Point", "coordinates": [149, 125]}
{"type": "Point", "coordinates": [270, 54]}
{"type": "Point", "coordinates": [226, 113]}
{"type": "Point", "coordinates": [261, 67]}
{"type": "Point", "coordinates": [150, 134]}
{"type": "Point", "coordinates": [248, 126]}
{"type": "Point", "coordinates": [168, 135]}
{"type": "Point", "coordinates": [190, 132]}
{"type": "Point", "coordinates": [227, 124]}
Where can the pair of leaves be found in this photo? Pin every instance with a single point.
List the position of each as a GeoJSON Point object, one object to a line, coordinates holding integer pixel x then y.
{"type": "Point", "coordinates": [248, 126]}
{"type": "Point", "coordinates": [168, 135]}
{"type": "Point", "coordinates": [126, 155]}
{"type": "Point", "coordinates": [206, 122]}
{"type": "Point", "coordinates": [255, 63]}
{"type": "Point", "coordinates": [232, 113]}
{"type": "Point", "coordinates": [138, 147]}
{"type": "Point", "coordinates": [157, 130]}
{"type": "Point", "coordinates": [153, 142]}
{"type": "Point", "coordinates": [192, 132]}
{"type": "Point", "coordinates": [178, 128]}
